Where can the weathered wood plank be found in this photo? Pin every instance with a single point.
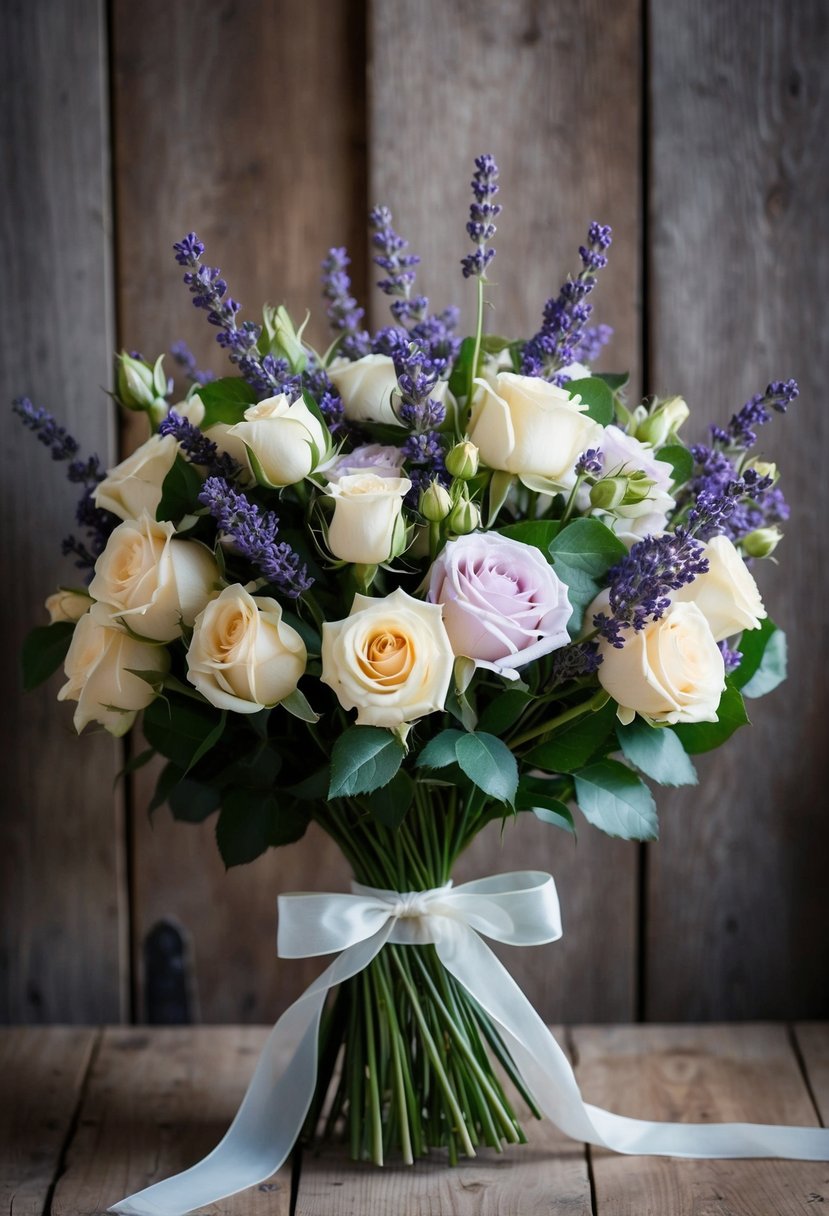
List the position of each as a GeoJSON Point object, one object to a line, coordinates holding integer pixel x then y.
{"type": "Point", "coordinates": [813, 1044]}
{"type": "Point", "coordinates": [244, 122]}
{"type": "Point", "coordinates": [43, 1070]}
{"type": "Point", "coordinates": [716, 1073]}
{"type": "Point", "coordinates": [157, 1101]}
{"type": "Point", "coordinates": [738, 899]}
{"type": "Point", "coordinates": [62, 944]}
{"type": "Point", "coordinates": [447, 82]}
{"type": "Point", "coordinates": [545, 1177]}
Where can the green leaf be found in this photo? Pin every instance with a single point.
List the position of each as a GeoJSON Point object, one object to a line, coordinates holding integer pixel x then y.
{"type": "Point", "coordinates": [596, 394]}
{"type": "Point", "coordinates": [582, 554]}
{"type": "Point", "coordinates": [704, 736]}
{"type": "Point", "coordinates": [613, 798]}
{"type": "Point", "coordinates": [540, 533]}
{"type": "Point", "coordinates": [297, 704]}
{"type": "Point", "coordinates": [499, 487]}
{"type": "Point", "coordinates": [192, 802]}
{"type": "Point", "coordinates": [575, 742]}
{"type": "Point", "coordinates": [134, 764]}
{"type": "Point", "coordinates": [656, 752]}
{"type": "Point", "coordinates": [251, 822]}
{"type": "Point", "coordinates": [313, 788]}
{"type": "Point", "coordinates": [772, 669]}
{"type": "Point", "coordinates": [179, 491]}
{"type": "Point", "coordinates": [556, 814]}
{"type": "Point", "coordinates": [440, 751]}
{"type": "Point", "coordinates": [210, 740]}
{"type": "Point", "coordinates": [459, 379]}
{"type": "Point", "coordinates": [44, 650]}
{"type": "Point", "coordinates": [614, 380]}
{"type": "Point", "coordinates": [362, 759]}
{"type": "Point", "coordinates": [225, 400]}
{"type": "Point", "coordinates": [680, 460]}
{"type": "Point", "coordinates": [489, 763]}
{"type": "Point", "coordinates": [390, 803]}
{"type": "Point", "coordinates": [533, 795]}
{"type": "Point", "coordinates": [177, 728]}
{"type": "Point", "coordinates": [168, 779]}
{"type": "Point", "coordinates": [504, 711]}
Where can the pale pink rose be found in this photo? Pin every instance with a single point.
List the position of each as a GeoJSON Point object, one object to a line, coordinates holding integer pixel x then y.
{"type": "Point", "coordinates": [503, 604]}
{"type": "Point", "coordinates": [382, 459]}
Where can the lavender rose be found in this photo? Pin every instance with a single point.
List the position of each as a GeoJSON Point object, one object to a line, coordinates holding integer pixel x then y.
{"type": "Point", "coordinates": [503, 604]}
{"type": "Point", "coordinates": [383, 460]}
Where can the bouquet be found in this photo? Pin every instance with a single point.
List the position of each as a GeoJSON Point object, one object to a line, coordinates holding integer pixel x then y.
{"type": "Point", "coordinates": [402, 587]}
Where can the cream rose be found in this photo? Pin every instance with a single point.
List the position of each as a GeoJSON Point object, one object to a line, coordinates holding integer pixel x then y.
{"type": "Point", "coordinates": [727, 596]}
{"type": "Point", "coordinates": [369, 390]}
{"type": "Point", "coordinates": [390, 659]}
{"type": "Point", "coordinates": [151, 582]}
{"type": "Point", "coordinates": [524, 425]}
{"type": "Point", "coordinates": [671, 671]}
{"type": "Point", "coordinates": [67, 605]}
{"type": "Point", "coordinates": [284, 439]}
{"type": "Point", "coordinates": [99, 666]}
{"type": "Point", "coordinates": [367, 525]}
{"type": "Point", "coordinates": [193, 411]}
{"type": "Point", "coordinates": [135, 484]}
{"type": "Point", "coordinates": [242, 655]}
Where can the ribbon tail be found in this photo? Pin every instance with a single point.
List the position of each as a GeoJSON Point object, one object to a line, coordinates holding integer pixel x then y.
{"type": "Point", "coordinates": [273, 1110]}
{"type": "Point", "coordinates": [549, 1075]}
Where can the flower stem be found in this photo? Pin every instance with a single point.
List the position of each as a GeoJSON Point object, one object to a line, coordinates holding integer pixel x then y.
{"type": "Point", "coordinates": [476, 351]}
{"type": "Point", "coordinates": [597, 701]}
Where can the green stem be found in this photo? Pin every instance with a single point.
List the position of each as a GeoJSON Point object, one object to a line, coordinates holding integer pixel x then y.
{"type": "Point", "coordinates": [571, 501]}
{"type": "Point", "coordinates": [373, 1090]}
{"type": "Point", "coordinates": [476, 351]}
{"type": "Point", "coordinates": [598, 700]}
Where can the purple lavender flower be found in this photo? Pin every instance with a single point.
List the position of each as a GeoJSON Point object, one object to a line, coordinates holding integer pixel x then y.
{"type": "Point", "coordinates": [315, 379]}
{"type": "Point", "coordinates": [186, 360]}
{"type": "Point", "coordinates": [747, 502]}
{"type": "Point", "coordinates": [741, 432]}
{"type": "Point", "coordinates": [399, 265]}
{"type": "Point", "coordinates": [640, 585]}
{"type": "Point", "coordinates": [344, 314]}
{"type": "Point", "coordinates": [63, 446]}
{"type": "Point", "coordinates": [436, 334]}
{"type": "Point", "coordinates": [254, 532]}
{"type": "Point", "coordinates": [197, 448]}
{"type": "Point", "coordinates": [593, 341]}
{"type": "Point", "coordinates": [590, 463]}
{"type": "Point", "coordinates": [571, 662]}
{"type": "Point", "coordinates": [560, 339]}
{"type": "Point", "coordinates": [731, 658]}
{"type": "Point", "coordinates": [482, 212]}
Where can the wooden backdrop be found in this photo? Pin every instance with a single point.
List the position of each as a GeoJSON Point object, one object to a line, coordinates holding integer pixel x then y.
{"type": "Point", "coordinates": [269, 126]}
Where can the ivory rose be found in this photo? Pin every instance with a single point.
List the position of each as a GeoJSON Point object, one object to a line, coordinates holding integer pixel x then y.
{"type": "Point", "coordinates": [368, 388]}
{"type": "Point", "coordinates": [152, 582]}
{"type": "Point", "coordinates": [135, 484]}
{"type": "Point", "coordinates": [67, 605]}
{"type": "Point", "coordinates": [503, 604]}
{"type": "Point", "coordinates": [367, 527]}
{"type": "Point", "coordinates": [671, 671]}
{"type": "Point", "coordinates": [727, 595]}
{"type": "Point", "coordinates": [219, 433]}
{"type": "Point", "coordinates": [99, 666]}
{"type": "Point", "coordinates": [524, 425]}
{"type": "Point", "coordinates": [391, 659]}
{"type": "Point", "coordinates": [284, 438]}
{"type": "Point", "coordinates": [242, 655]}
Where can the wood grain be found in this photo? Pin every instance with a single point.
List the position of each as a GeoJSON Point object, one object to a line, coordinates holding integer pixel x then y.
{"type": "Point", "coordinates": [546, 1177]}
{"type": "Point", "coordinates": [245, 122]}
{"type": "Point", "coordinates": [62, 942]}
{"type": "Point", "coordinates": [813, 1044]}
{"type": "Point", "coordinates": [508, 77]}
{"type": "Point", "coordinates": [716, 1073]}
{"type": "Point", "coordinates": [157, 1101]}
{"type": "Point", "coordinates": [738, 898]}
{"type": "Point", "coordinates": [43, 1069]}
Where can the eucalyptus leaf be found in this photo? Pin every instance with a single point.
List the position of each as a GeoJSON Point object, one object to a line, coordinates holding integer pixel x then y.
{"type": "Point", "coordinates": [613, 798]}
{"type": "Point", "coordinates": [540, 533]}
{"type": "Point", "coordinates": [362, 759]}
{"type": "Point", "coordinates": [656, 752]}
{"type": "Point", "coordinates": [596, 394]}
{"type": "Point", "coordinates": [582, 554]}
{"type": "Point", "coordinates": [772, 668]}
{"type": "Point", "coordinates": [489, 763]}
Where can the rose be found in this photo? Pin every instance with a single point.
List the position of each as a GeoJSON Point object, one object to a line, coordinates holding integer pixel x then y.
{"type": "Point", "coordinates": [727, 595]}
{"type": "Point", "coordinates": [503, 604]}
{"type": "Point", "coordinates": [100, 666]}
{"type": "Point", "coordinates": [67, 605]}
{"type": "Point", "coordinates": [242, 655]}
{"type": "Point", "coordinates": [286, 441]}
{"type": "Point", "coordinates": [524, 425]}
{"type": "Point", "coordinates": [219, 433]}
{"type": "Point", "coordinates": [391, 659]}
{"type": "Point", "coordinates": [367, 526]}
{"type": "Point", "coordinates": [369, 388]}
{"type": "Point", "coordinates": [671, 671]}
{"type": "Point", "coordinates": [135, 484]}
{"type": "Point", "coordinates": [379, 458]}
{"type": "Point", "coordinates": [623, 455]}
{"type": "Point", "coordinates": [151, 582]}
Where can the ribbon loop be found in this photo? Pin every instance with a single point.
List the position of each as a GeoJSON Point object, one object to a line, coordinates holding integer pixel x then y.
{"type": "Point", "coordinates": [521, 909]}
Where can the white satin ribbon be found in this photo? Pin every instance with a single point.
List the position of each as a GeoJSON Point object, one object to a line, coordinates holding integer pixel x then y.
{"type": "Point", "coordinates": [520, 909]}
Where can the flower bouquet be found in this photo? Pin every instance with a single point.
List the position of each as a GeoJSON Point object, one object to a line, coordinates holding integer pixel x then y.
{"type": "Point", "coordinates": [403, 587]}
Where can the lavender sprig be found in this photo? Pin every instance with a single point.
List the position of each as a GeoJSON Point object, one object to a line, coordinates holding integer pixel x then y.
{"type": "Point", "coordinates": [88, 473]}
{"type": "Point", "coordinates": [266, 374]}
{"type": "Point", "coordinates": [593, 341]}
{"type": "Point", "coordinates": [254, 532]}
{"type": "Point", "coordinates": [197, 448]}
{"type": "Point", "coordinates": [571, 662]}
{"type": "Point", "coordinates": [640, 585]}
{"type": "Point", "coordinates": [482, 212]}
{"type": "Point", "coordinates": [741, 433]}
{"type": "Point", "coordinates": [560, 339]}
{"type": "Point", "coordinates": [590, 463]}
{"type": "Point", "coordinates": [344, 314]}
{"type": "Point", "coordinates": [715, 476]}
{"type": "Point", "coordinates": [731, 658]}
{"type": "Point", "coordinates": [399, 265]}
{"type": "Point", "coordinates": [186, 360]}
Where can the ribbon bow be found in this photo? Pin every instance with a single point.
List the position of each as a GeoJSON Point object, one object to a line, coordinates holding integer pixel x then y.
{"type": "Point", "coordinates": [520, 909]}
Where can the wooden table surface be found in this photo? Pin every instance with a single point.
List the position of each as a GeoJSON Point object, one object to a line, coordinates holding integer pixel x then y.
{"type": "Point", "coordinates": [88, 1116]}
